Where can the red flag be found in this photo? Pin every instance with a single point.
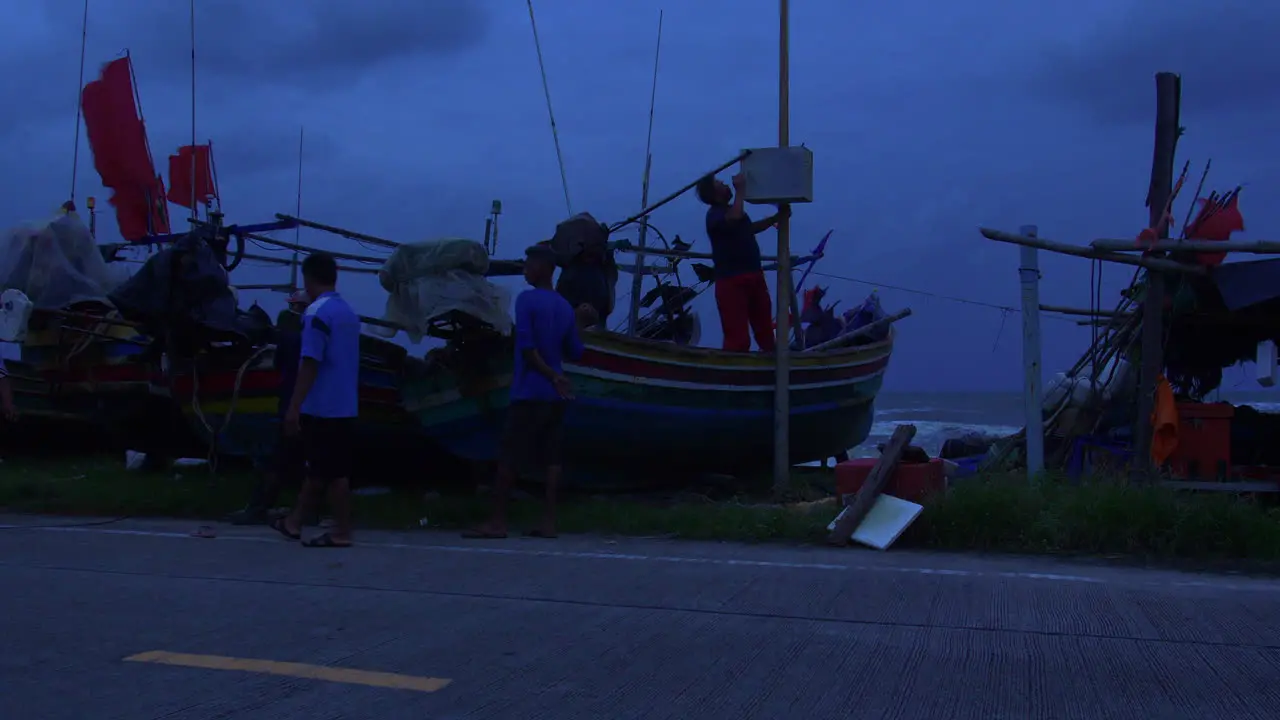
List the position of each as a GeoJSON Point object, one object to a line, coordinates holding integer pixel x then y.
{"type": "Point", "coordinates": [120, 153]}
{"type": "Point", "coordinates": [197, 158]}
{"type": "Point", "coordinates": [1216, 222]}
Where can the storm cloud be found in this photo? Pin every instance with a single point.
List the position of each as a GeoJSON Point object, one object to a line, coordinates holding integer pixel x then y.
{"type": "Point", "coordinates": [1226, 52]}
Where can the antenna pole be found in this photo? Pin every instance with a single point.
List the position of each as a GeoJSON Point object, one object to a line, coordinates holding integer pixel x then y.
{"type": "Point", "coordinates": [782, 375]}
{"type": "Point", "coordinates": [297, 232]}
{"type": "Point", "coordinates": [75, 153]}
{"type": "Point", "coordinates": [637, 278]}
{"type": "Point", "coordinates": [546, 90]}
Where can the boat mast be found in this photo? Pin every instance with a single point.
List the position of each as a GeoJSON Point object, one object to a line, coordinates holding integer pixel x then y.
{"type": "Point", "coordinates": [637, 278]}
{"type": "Point", "coordinates": [782, 374]}
{"type": "Point", "coordinates": [195, 208]}
{"type": "Point", "coordinates": [297, 232]}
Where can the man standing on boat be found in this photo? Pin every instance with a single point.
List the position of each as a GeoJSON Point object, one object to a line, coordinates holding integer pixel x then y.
{"type": "Point", "coordinates": [742, 294]}
{"type": "Point", "coordinates": [325, 403]}
{"type": "Point", "coordinates": [288, 465]}
{"type": "Point", "coordinates": [546, 335]}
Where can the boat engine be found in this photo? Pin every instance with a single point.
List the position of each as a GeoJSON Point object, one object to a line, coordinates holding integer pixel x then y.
{"type": "Point", "coordinates": [673, 320]}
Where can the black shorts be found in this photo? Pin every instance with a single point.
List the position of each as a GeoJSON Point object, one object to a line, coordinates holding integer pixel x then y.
{"type": "Point", "coordinates": [290, 461]}
{"type": "Point", "coordinates": [328, 444]}
{"type": "Point", "coordinates": [533, 435]}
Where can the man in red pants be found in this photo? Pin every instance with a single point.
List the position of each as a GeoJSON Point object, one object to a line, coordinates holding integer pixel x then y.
{"type": "Point", "coordinates": [742, 295]}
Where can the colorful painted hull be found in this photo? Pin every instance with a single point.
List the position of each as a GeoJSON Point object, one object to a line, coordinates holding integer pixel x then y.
{"type": "Point", "coordinates": [650, 406]}
{"type": "Point", "coordinates": [106, 383]}
{"type": "Point", "coordinates": [242, 410]}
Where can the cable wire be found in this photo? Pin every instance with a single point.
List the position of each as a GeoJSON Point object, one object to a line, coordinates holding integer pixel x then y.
{"type": "Point", "coordinates": [546, 90]}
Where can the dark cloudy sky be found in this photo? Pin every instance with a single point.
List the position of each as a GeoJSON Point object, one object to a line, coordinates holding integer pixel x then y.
{"type": "Point", "coordinates": [927, 119]}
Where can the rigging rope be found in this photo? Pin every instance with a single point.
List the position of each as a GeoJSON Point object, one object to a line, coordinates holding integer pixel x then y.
{"type": "Point", "coordinates": [75, 153]}
{"type": "Point", "coordinates": [546, 90]}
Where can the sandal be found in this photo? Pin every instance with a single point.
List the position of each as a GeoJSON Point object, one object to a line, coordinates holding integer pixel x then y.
{"type": "Point", "coordinates": [325, 540]}
{"type": "Point", "coordinates": [279, 526]}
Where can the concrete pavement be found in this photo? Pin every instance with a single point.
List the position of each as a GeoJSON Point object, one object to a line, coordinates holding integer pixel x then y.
{"type": "Point", "coordinates": [139, 620]}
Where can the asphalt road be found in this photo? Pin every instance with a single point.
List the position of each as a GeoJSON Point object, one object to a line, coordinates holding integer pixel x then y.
{"type": "Point", "coordinates": [140, 620]}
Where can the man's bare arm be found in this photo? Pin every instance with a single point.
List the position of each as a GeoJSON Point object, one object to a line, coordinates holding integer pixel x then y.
{"type": "Point", "coordinates": [760, 226]}
{"type": "Point", "coordinates": [536, 362]}
{"type": "Point", "coordinates": [307, 370]}
{"type": "Point", "coordinates": [735, 211]}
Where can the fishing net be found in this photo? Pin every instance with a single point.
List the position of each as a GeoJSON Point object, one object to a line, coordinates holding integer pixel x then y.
{"type": "Point", "coordinates": [427, 280]}
{"type": "Point", "coordinates": [55, 265]}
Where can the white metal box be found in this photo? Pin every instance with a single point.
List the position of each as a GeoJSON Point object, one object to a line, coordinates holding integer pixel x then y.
{"type": "Point", "coordinates": [778, 175]}
{"type": "Point", "coordinates": [1266, 370]}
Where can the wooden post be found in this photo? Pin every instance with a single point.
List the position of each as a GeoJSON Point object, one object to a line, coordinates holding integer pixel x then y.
{"type": "Point", "coordinates": [855, 511]}
{"type": "Point", "coordinates": [637, 282]}
{"type": "Point", "coordinates": [1032, 400]}
{"type": "Point", "coordinates": [1168, 100]}
{"type": "Point", "coordinates": [782, 374]}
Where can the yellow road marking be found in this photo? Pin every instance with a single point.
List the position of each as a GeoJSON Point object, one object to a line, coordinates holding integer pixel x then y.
{"type": "Point", "coordinates": [291, 669]}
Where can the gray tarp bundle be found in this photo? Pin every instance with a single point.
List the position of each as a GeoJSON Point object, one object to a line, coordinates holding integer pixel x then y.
{"type": "Point", "coordinates": [183, 292]}
{"type": "Point", "coordinates": [56, 265]}
{"type": "Point", "coordinates": [427, 280]}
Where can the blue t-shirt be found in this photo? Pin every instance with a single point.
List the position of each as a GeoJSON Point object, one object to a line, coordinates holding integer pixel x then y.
{"type": "Point", "coordinates": [331, 337]}
{"type": "Point", "coordinates": [734, 249]}
{"type": "Point", "coordinates": [544, 322]}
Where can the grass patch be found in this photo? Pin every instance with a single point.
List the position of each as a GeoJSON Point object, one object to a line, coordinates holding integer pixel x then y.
{"type": "Point", "coordinates": [980, 514]}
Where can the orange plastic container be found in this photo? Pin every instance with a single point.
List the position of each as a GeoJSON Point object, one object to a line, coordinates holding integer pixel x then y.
{"type": "Point", "coordinates": [915, 482]}
{"type": "Point", "coordinates": [1204, 441]}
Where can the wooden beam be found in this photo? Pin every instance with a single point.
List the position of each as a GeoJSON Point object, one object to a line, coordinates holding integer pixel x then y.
{"type": "Point", "coordinates": [841, 340]}
{"type": "Point", "coordinates": [1255, 247]}
{"type": "Point", "coordinates": [1084, 252]}
{"type": "Point", "coordinates": [856, 510]}
{"type": "Point", "coordinates": [304, 249]}
{"type": "Point", "coordinates": [1061, 310]}
{"type": "Point", "coordinates": [349, 234]}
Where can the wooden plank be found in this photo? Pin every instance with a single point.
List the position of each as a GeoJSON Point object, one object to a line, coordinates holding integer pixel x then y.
{"type": "Point", "coordinates": [1255, 247]}
{"type": "Point", "coordinates": [868, 329]}
{"type": "Point", "coordinates": [854, 513]}
{"type": "Point", "coordinates": [1091, 254]}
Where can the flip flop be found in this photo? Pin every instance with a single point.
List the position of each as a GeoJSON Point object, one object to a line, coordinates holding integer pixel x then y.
{"type": "Point", "coordinates": [537, 533]}
{"type": "Point", "coordinates": [481, 534]}
{"type": "Point", "coordinates": [324, 540]}
{"type": "Point", "coordinates": [279, 526]}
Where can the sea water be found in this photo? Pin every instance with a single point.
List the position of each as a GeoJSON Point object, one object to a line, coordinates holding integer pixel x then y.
{"type": "Point", "coordinates": [942, 415]}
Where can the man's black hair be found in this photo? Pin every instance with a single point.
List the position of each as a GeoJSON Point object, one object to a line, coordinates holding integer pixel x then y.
{"type": "Point", "coordinates": [706, 189]}
{"type": "Point", "coordinates": [321, 268]}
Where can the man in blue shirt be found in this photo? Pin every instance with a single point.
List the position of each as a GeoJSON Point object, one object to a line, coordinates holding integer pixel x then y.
{"type": "Point", "coordinates": [546, 334]}
{"type": "Point", "coordinates": [742, 295]}
{"type": "Point", "coordinates": [325, 403]}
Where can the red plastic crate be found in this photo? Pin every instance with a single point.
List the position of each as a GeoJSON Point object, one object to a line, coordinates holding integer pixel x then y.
{"type": "Point", "coordinates": [915, 482]}
{"type": "Point", "coordinates": [1204, 441]}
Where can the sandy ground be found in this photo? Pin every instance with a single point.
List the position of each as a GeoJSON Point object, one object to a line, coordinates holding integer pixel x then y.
{"type": "Point", "coordinates": [140, 620]}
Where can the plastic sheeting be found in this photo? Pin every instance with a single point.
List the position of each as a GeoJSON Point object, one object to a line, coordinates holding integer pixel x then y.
{"type": "Point", "coordinates": [55, 265]}
{"type": "Point", "coordinates": [183, 294]}
{"type": "Point", "coordinates": [427, 280]}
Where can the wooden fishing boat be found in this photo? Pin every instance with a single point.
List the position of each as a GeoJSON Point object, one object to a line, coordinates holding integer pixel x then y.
{"type": "Point", "coordinates": [229, 397]}
{"type": "Point", "coordinates": [646, 405]}
{"type": "Point", "coordinates": [84, 374]}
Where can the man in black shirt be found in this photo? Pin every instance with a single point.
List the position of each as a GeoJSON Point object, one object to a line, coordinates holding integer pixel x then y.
{"type": "Point", "coordinates": [288, 465]}
{"type": "Point", "coordinates": [742, 295]}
